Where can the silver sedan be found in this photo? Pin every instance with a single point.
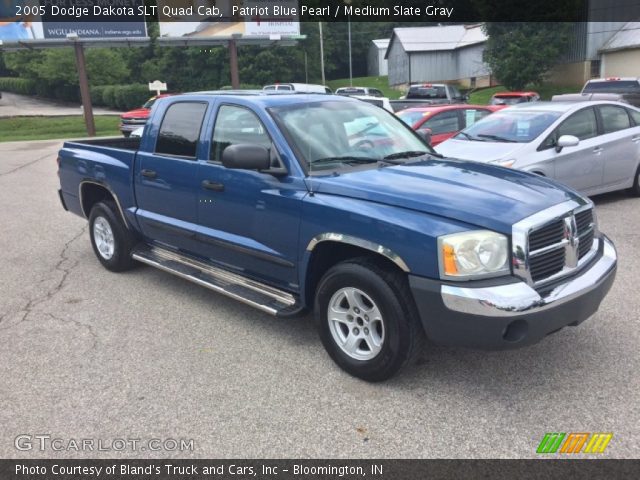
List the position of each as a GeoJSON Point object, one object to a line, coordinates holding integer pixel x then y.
{"type": "Point", "coordinates": [593, 147]}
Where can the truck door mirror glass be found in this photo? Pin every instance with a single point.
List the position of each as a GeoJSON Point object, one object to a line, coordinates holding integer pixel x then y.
{"type": "Point", "coordinates": [566, 141]}
{"type": "Point", "coordinates": [246, 157]}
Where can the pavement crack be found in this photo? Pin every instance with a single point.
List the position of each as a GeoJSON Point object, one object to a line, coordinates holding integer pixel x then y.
{"type": "Point", "coordinates": [48, 155]}
{"type": "Point", "coordinates": [60, 266]}
{"type": "Point", "coordinates": [85, 326]}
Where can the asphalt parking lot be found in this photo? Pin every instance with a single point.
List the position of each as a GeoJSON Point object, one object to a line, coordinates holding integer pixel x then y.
{"type": "Point", "coordinates": [89, 354]}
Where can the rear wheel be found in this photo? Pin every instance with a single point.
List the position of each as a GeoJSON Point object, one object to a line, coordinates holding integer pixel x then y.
{"type": "Point", "coordinates": [635, 189]}
{"type": "Point", "coordinates": [112, 242]}
{"type": "Point", "coordinates": [366, 319]}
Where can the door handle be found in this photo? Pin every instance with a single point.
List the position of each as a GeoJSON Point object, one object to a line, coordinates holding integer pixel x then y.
{"type": "Point", "coordinates": [598, 150]}
{"type": "Point", "coordinates": [215, 186]}
{"type": "Point", "coordinates": [149, 173]}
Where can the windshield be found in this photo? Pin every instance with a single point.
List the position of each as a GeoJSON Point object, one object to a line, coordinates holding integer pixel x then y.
{"type": "Point", "coordinates": [411, 118]}
{"type": "Point", "coordinates": [342, 134]}
{"type": "Point", "coordinates": [508, 100]}
{"type": "Point", "coordinates": [613, 86]}
{"type": "Point", "coordinates": [509, 126]}
{"type": "Point", "coordinates": [351, 91]}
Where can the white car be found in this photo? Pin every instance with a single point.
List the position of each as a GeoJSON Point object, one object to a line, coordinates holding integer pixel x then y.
{"type": "Point", "coordinates": [593, 147]}
{"type": "Point", "coordinates": [382, 102]}
{"type": "Point", "coordinates": [297, 88]}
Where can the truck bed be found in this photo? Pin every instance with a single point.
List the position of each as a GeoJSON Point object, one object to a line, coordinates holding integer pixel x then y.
{"type": "Point", "coordinates": [121, 143]}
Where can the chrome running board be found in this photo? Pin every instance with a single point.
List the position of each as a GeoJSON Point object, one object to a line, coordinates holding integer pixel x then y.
{"type": "Point", "coordinates": [258, 295]}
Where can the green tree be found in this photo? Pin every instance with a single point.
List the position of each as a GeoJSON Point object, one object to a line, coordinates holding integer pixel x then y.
{"type": "Point", "coordinates": [521, 53]}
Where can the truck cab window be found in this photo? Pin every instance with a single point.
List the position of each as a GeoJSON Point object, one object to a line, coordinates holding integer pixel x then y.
{"type": "Point", "coordinates": [180, 129]}
{"type": "Point", "coordinates": [236, 125]}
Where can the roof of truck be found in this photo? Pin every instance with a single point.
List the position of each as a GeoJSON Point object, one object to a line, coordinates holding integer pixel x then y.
{"type": "Point", "coordinates": [271, 98]}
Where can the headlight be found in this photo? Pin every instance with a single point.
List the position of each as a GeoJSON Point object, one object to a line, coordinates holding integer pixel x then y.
{"type": "Point", "coordinates": [475, 254]}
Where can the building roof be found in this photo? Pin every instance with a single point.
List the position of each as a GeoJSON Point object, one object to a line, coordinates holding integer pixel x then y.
{"type": "Point", "coordinates": [382, 43]}
{"type": "Point", "coordinates": [441, 37]}
{"type": "Point", "coordinates": [627, 37]}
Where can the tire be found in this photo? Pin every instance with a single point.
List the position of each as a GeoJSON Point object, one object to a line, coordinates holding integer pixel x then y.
{"type": "Point", "coordinates": [112, 242]}
{"type": "Point", "coordinates": [374, 329]}
{"type": "Point", "coordinates": [635, 189]}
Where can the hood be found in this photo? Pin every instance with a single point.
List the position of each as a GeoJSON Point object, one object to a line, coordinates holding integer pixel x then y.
{"type": "Point", "coordinates": [478, 194]}
{"type": "Point", "coordinates": [137, 113]}
{"type": "Point", "coordinates": [478, 151]}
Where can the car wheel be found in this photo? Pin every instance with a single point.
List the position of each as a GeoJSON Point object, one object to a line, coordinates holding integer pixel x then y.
{"type": "Point", "coordinates": [112, 242]}
{"type": "Point", "coordinates": [635, 190]}
{"type": "Point", "coordinates": [367, 319]}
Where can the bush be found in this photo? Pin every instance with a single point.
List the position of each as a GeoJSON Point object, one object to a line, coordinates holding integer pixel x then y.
{"type": "Point", "coordinates": [96, 93]}
{"type": "Point", "coordinates": [22, 86]}
{"type": "Point", "coordinates": [109, 96]}
{"type": "Point", "coordinates": [131, 96]}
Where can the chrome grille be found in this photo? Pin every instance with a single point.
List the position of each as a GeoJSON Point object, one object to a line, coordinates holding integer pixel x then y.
{"type": "Point", "coordinates": [553, 243]}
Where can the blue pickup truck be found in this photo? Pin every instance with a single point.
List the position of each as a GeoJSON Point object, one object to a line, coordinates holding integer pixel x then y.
{"type": "Point", "coordinates": [292, 203]}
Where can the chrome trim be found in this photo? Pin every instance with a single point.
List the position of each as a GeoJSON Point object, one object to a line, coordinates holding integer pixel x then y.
{"type": "Point", "coordinates": [161, 259]}
{"type": "Point", "coordinates": [115, 197]}
{"type": "Point", "coordinates": [358, 242]}
{"type": "Point", "coordinates": [519, 298]}
{"type": "Point", "coordinates": [565, 212]}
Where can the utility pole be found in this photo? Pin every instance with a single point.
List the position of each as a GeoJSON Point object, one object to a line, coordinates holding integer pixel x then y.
{"type": "Point", "coordinates": [321, 52]}
{"type": "Point", "coordinates": [233, 64]}
{"type": "Point", "coordinates": [84, 88]}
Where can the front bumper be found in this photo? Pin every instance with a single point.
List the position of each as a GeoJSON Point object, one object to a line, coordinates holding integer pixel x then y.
{"type": "Point", "coordinates": [513, 314]}
{"type": "Point", "coordinates": [130, 127]}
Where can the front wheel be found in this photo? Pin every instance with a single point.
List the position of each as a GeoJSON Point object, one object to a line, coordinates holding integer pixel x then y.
{"type": "Point", "coordinates": [366, 319]}
{"type": "Point", "coordinates": [112, 242]}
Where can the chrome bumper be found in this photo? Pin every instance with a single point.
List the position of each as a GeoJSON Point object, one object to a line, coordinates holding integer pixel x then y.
{"type": "Point", "coordinates": [517, 299]}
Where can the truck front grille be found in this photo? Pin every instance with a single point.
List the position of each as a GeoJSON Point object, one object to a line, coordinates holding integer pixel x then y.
{"type": "Point", "coordinates": [546, 249]}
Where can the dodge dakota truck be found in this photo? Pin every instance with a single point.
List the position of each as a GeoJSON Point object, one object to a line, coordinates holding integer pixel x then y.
{"type": "Point", "coordinates": [294, 203]}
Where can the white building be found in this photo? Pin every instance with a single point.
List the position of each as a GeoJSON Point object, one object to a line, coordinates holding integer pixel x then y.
{"type": "Point", "coordinates": [451, 53]}
{"type": "Point", "coordinates": [376, 61]}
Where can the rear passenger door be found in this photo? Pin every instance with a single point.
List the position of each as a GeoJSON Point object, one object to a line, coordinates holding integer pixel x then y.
{"type": "Point", "coordinates": [620, 143]}
{"type": "Point", "coordinates": [165, 177]}
{"type": "Point", "coordinates": [248, 219]}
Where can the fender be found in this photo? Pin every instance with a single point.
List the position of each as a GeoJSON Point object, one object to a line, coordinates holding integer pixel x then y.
{"type": "Point", "coordinates": [108, 189]}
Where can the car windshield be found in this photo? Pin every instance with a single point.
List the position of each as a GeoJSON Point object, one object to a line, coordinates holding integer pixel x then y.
{"type": "Point", "coordinates": [344, 134]}
{"type": "Point", "coordinates": [351, 91]}
{"type": "Point", "coordinates": [613, 86]}
{"type": "Point", "coordinates": [516, 126]}
{"type": "Point", "coordinates": [411, 117]}
{"type": "Point", "coordinates": [508, 100]}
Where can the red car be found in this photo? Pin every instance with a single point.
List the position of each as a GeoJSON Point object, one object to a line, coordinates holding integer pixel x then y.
{"type": "Point", "coordinates": [511, 98]}
{"type": "Point", "coordinates": [134, 119]}
{"type": "Point", "coordinates": [441, 122]}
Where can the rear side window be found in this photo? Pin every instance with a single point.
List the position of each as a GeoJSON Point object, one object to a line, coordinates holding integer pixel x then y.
{"type": "Point", "coordinates": [444, 122]}
{"type": "Point", "coordinates": [180, 129]}
{"type": "Point", "coordinates": [636, 117]}
{"type": "Point", "coordinates": [471, 116]}
{"type": "Point", "coordinates": [236, 125]}
{"type": "Point", "coordinates": [614, 118]}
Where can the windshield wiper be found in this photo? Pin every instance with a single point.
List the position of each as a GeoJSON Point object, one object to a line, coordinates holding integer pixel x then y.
{"type": "Point", "coordinates": [497, 138]}
{"type": "Point", "coordinates": [410, 154]}
{"type": "Point", "coordinates": [470, 137]}
{"type": "Point", "coordinates": [345, 159]}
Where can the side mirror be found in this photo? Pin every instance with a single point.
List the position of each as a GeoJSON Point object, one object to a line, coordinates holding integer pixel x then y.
{"type": "Point", "coordinates": [246, 157]}
{"type": "Point", "coordinates": [425, 134]}
{"type": "Point", "coordinates": [566, 141]}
